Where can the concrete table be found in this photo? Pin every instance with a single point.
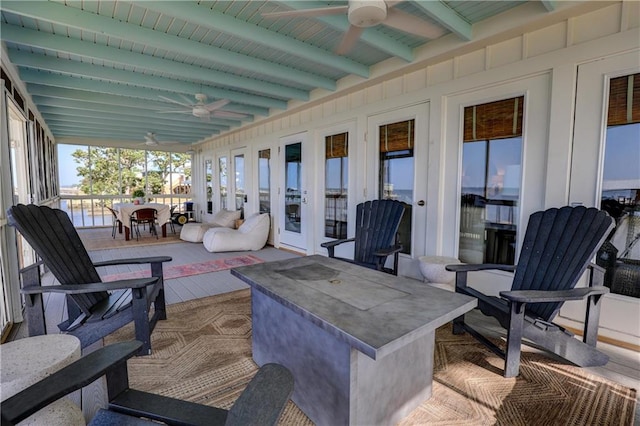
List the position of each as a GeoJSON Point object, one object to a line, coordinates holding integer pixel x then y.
{"type": "Point", "coordinates": [26, 361]}
{"type": "Point", "coordinates": [359, 342]}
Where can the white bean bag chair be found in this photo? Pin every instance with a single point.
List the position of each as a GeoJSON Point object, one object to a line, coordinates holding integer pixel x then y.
{"type": "Point", "coordinates": [252, 235]}
{"type": "Point", "coordinates": [194, 232]}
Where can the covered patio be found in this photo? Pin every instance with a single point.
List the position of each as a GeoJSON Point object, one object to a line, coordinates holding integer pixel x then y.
{"type": "Point", "coordinates": [474, 115]}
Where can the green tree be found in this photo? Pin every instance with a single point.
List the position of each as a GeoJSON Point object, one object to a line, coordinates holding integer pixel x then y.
{"type": "Point", "coordinates": [161, 164]}
{"type": "Point", "coordinates": [100, 174]}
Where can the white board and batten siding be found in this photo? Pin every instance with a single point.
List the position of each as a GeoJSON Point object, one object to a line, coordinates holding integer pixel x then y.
{"type": "Point", "coordinates": [540, 57]}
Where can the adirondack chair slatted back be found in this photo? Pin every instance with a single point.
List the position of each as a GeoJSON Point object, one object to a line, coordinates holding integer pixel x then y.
{"type": "Point", "coordinates": [377, 223]}
{"type": "Point", "coordinates": [52, 235]}
{"type": "Point", "coordinates": [557, 247]}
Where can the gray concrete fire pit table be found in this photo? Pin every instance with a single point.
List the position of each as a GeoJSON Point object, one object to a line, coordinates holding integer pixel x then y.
{"type": "Point", "coordinates": [359, 342]}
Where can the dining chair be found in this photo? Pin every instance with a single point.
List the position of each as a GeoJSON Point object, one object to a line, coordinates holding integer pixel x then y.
{"type": "Point", "coordinates": [170, 221]}
{"type": "Point", "coordinates": [116, 222]}
{"type": "Point", "coordinates": [144, 216]}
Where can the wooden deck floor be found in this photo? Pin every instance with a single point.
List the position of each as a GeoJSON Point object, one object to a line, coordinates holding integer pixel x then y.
{"type": "Point", "coordinates": [623, 367]}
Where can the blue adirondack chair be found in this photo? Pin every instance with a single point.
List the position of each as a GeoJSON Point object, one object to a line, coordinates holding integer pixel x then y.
{"type": "Point", "coordinates": [95, 309]}
{"type": "Point", "coordinates": [558, 247]}
{"type": "Point", "coordinates": [376, 237]}
{"type": "Point", "coordinates": [260, 403]}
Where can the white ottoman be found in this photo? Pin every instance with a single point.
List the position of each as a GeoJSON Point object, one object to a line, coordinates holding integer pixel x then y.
{"type": "Point", "coordinates": [434, 272]}
{"type": "Point", "coordinates": [29, 360]}
{"type": "Point", "coordinates": [193, 232]}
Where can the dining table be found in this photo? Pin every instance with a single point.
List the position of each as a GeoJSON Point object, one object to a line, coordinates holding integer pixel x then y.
{"type": "Point", "coordinates": [125, 210]}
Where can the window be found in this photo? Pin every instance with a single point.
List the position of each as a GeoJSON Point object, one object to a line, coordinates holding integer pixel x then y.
{"type": "Point", "coordinates": [240, 195]}
{"type": "Point", "coordinates": [293, 178]}
{"type": "Point", "coordinates": [222, 174]}
{"type": "Point", "coordinates": [621, 186]}
{"type": "Point", "coordinates": [336, 184]}
{"type": "Point", "coordinates": [490, 185]}
{"type": "Point", "coordinates": [264, 180]}
{"type": "Point", "coordinates": [397, 171]}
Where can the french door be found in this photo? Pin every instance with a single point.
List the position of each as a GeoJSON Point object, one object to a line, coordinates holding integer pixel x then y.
{"type": "Point", "coordinates": [239, 179]}
{"type": "Point", "coordinates": [605, 167]}
{"type": "Point", "coordinates": [293, 191]}
{"type": "Point", "coordinates": [398, 145]}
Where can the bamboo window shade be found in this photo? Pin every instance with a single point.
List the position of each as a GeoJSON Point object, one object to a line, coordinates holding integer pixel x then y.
{"type": "Point", "coordinates": [494, 120]}
{"type": "Point", "coordinates": [336, 146]}
{"type": "Point", "coordinates": [397, 136]}
{"type": "Point", "coordinates": [624, 100]}
{"type": "Point", "coordinates": [265, 153]}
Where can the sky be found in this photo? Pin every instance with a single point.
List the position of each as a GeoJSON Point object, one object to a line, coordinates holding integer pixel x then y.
{"type": "Point", "coordinates": [67, 166]}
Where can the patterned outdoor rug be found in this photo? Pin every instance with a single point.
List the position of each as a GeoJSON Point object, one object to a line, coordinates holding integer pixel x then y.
{"type": "Point", "coordinates": [189, 269]}
{"type": "Point", "coordinates": [202, 353]}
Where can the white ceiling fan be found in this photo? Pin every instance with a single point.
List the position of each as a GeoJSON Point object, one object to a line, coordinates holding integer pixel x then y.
{"type": "Point", "coordinates": [368, 13]}
{"type": "Point", "coordinates": [150, 139]}
{"type": "Point", "coordinates": [201, 109]}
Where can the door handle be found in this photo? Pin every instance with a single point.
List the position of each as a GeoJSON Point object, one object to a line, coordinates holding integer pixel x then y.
{"type": "Point", "coordinates": [421, 203]}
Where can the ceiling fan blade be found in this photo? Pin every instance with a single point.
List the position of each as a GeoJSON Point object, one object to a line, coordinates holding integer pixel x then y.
{"type": "Point", "coordinates": [412, 24]}
{"type": "Point", "coordinates": [349, 40]}
{"type": "Point", "coordinates": [308, 13]}
{"type": "Point", "coordinates": [176, 112]}
{"type": "Point", "coordinates": [216, 105]}
{"type": "Point", "coordinates": [189, 102]}
{"type": "Point", "coordinates": [227, 114]}
{"type": "Point", "coordinates": [188, 105]}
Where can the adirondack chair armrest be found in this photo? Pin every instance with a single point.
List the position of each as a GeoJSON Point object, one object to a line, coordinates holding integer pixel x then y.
{"type": "Point", "coordinates": [544, 296]}
{"type": "Point", "coordinates": [91, 287]}
{"type": "Point", "coordinates": [32, 266]}
{"type": "Point", "coordinates": [331, 245]}
{"type": "Point", "coordinates": [336, 242]}
{"type": "Point", "coordinates": [388, 251]}
{"type": "Point", "coordinates": [137, 261]}
{"type": "Point", "coordinates": [480, 267]}
{"type": "Point", "coordinates": [71, 378]}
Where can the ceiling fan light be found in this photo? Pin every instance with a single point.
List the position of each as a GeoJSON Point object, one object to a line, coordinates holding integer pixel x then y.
{"type": "Point", "coordinates": [200, 111]}
{"type": "Point", "coordinates": [366, 13]}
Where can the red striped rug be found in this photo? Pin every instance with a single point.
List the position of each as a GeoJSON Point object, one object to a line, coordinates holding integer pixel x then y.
{"type": "Point", "coordinates": [178, 271]}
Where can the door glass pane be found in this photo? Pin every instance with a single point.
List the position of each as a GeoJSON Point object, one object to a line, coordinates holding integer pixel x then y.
{"type": "Point", "coordinates": [397, 172]}
{"type": "Point", "coordinates": [491, 174]}
{"type": "Point", "coordinates": [620, 255]}
{"type": "Point", "coordinates": [490, 196]}
{"type": "Point", "coordinates": [208, 171]}
{"type": "Point", "coordinates": [222, 164]}
{"type": "Point", "coordinates": [336, 183]}
{"type": "Point", "coordinates": [264, 180]}
{"type": "Point", "coordinates": [293, 179]}
{"type": "Point", "coordinates": [238, 163]}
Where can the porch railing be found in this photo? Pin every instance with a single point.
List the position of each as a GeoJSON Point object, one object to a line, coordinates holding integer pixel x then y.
{"type": "Point", "coordinates": [88, 211]}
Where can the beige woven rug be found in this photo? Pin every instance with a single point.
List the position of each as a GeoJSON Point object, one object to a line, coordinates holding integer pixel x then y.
{"type": "Point", "coordinates": [101, 239]}
{"type": "Point", "coordinates": [202, 353]}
